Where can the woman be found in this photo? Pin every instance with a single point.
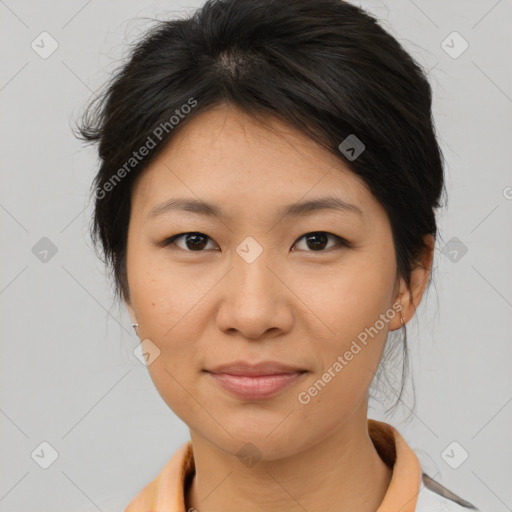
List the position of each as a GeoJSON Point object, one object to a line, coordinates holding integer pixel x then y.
{"type": "Point", "coordinates": [266, 201]}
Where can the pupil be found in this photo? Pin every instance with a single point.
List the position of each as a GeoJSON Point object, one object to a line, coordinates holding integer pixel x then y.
{"type": "Point", "coordinates": [195, 243]}
{"type": "Point", "coordinates": [317, 244]}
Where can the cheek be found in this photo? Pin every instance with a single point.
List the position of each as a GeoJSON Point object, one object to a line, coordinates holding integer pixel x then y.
{"type": "Point", "coordinates": [166, 294]}
{"type": "Point", "coordinates": [354, 304]}
{"type": "Point", "coordinates": [172, 382]}
{"type": "Point", "coordinates": [349, 298]}
{"type": "Point", "coordinates": [350, 350]}
{"type": "Point", "coordinates": [171, 314]}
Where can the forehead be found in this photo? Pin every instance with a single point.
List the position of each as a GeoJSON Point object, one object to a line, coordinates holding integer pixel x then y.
{"type": "Point", "coordinates": [225, 156]}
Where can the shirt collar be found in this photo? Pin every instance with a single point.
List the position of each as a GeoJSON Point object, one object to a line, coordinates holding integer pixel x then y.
{"type": "Point", "coordinates": [166, 493]}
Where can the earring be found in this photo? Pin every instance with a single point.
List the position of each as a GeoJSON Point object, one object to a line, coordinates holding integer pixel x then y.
{"type": "Point", "coordinates": [135, 327]}
{"type": "Point", "coordinates": [402, 321]}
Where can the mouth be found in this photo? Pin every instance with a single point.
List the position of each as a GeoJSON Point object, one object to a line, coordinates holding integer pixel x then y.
{"type": "Point", "coordinates": [257, 387]}
{"type": "Point", "coordinates": [261, 369]}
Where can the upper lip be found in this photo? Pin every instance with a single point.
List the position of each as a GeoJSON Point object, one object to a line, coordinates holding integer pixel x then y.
{"type": "Point", "coordinates": [256, 369]}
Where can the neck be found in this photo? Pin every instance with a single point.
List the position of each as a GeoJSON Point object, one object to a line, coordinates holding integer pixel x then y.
{"type": "Point", "coordinates": [343, 472]}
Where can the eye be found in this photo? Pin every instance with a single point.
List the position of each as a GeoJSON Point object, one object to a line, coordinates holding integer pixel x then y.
{"type": "Point", "coordinates": [193, 241]}
{"type": "Point", "coordinates": [317, 240]}
{"type": "Point", "coordinates": [196, 242]}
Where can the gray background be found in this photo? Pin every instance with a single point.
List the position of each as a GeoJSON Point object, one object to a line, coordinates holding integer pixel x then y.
{"type": "Point", "coordinates": [68, 375]}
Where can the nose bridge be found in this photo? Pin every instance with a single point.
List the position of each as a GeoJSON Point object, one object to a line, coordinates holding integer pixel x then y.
{"type": "Point", "coordinates": [253, 278]}
{"type": "Point", "coordinates": [254, 301]}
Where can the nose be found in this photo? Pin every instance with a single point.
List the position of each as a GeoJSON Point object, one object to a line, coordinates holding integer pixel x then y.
{"type": "Point", "coordinates": [255, 300]}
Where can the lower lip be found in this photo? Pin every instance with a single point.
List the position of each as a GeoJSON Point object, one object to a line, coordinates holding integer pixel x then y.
{"type": "Point", "coordinates": [254, 388]}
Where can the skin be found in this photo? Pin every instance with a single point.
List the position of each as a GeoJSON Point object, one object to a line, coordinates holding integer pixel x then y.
{"type": "Point", "coordinates": [295, 304]}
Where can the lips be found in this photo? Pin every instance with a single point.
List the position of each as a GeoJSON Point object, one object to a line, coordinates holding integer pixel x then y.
{"type": "Point", "coordinates": [256, 388]}
{"type": "Point", "coordinates": [263, 368]}
{"type": "Point", "coordinates": [256, 381]}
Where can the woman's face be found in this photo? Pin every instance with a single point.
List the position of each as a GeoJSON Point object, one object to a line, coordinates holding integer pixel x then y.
{"type": "Point", "coordinates": [255, 285]}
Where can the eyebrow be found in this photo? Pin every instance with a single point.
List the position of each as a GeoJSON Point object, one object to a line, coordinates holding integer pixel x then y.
{"type": "Point", "coordinates": [295, 209]}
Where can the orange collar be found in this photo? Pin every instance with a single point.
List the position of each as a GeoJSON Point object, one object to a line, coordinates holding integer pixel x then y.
{"type": "Point", "coordinates": [166, 493]}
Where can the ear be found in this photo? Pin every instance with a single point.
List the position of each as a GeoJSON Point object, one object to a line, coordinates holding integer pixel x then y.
{"type": "Point", "coordinates": [410, 298]}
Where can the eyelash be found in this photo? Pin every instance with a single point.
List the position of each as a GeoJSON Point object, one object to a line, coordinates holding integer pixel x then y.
{"type": "Point", "coordinates": [342, 243]}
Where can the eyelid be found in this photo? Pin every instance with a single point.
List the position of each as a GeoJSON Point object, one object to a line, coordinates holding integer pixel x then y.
{"type": "Point", "coordinates": [340, 241]}
{"type": "Point", "coordinates": [170, 240]}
